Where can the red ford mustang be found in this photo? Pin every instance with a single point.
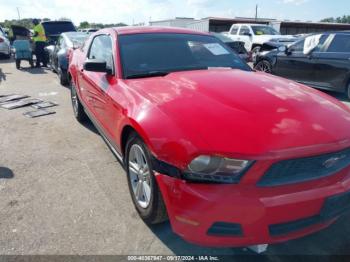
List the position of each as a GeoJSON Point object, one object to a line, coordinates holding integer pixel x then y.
{"type": "Point", "coordinates": [231, 156]}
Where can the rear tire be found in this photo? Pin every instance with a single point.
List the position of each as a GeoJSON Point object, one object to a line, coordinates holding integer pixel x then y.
{"type": "Point", "coordinates": [143, 186]}
{"type": "Point", "coordinates": [263, 66]}
{"type": "Point", "coordinates": [78, 109]}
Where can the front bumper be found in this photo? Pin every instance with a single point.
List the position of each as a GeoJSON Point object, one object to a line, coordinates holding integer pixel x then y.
{"type": "Point", "coordinates": [244, 214]}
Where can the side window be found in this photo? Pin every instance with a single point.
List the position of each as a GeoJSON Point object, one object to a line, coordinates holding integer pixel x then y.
{"type": "Point", "coordinates": [321, 44]}
{"type": "Point", "coordinates": [340, 44]}
{"type": "Point", "coordinates": [101, 48]}
{"type": "Point", "coordinates": [244, 30]}
{"type": "Point", "coordinates": [299, 46]}
{"type": "Point", "coordinates": [234, 30]}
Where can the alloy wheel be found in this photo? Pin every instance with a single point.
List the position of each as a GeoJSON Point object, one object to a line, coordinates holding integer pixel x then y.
{"type": "Point", "coordinates": [140, 176]}
{"type": "Point", "coordinates": [263, 66]}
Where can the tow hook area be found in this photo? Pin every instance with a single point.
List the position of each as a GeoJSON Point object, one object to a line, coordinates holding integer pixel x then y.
{"type": "Point", "coordinates": [259, 249]}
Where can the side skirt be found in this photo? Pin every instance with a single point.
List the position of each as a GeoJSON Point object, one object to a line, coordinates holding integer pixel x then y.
{"type": "Point", "coordinates": [108, 141]}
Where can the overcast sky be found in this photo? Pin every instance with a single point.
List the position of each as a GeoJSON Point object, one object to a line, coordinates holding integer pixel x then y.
{"type": "Point", "coordinates": [113, 11]}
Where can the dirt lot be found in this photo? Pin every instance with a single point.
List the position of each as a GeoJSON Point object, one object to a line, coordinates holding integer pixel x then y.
{"type": "Point", "coordinates": [67, 194]}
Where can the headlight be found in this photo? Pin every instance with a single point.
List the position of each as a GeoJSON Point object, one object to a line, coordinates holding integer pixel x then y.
{"type": "Point", "coordinates": [217, 169]}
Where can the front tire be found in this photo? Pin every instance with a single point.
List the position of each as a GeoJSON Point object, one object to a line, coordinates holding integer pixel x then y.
{"type": "Point", "coordinates": [143, 186]}
{"type": "Point", "coordinates": [78, 109]}
{"type": "Point", "coordinates": [263, 66]}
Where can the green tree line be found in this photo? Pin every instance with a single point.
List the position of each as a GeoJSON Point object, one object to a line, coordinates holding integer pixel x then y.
{"type": "Point", "coordinates": [345, 19]}
{"type": "Point", "coordinates": [27, 22]}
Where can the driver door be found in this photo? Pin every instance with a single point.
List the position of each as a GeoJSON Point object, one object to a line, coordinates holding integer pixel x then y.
{"type": "Point", "coordinates": [97, 84]}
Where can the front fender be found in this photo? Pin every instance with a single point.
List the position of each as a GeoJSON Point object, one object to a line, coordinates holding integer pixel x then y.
{"type": "Point", "coordinates": [164, 139]}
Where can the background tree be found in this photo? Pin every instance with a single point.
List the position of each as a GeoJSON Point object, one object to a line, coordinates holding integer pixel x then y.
{"type": "Point", "coordinates": [345, 19]}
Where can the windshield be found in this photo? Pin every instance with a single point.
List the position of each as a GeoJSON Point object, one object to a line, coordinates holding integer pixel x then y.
{"type": "Point", "coordinates": [264, 30]}
{"type": "Point", "coordinates": [161, 53]}
{"type": "Point", "coordinates": [222, 37]}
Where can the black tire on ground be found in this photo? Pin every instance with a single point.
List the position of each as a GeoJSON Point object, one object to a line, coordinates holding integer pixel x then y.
{"type": "Point", "coordinates": [62, 76]}
{"type": "Point", "coordinates": [78, 109]}
{"type": "Point", "coordinates": [155, 212]}
{"type": "Point", "coordinates": [264, 66]}
{"type": "Point", "coordinates": [31, 62]}
{"type": "Point", "coordinates": [18, 63]}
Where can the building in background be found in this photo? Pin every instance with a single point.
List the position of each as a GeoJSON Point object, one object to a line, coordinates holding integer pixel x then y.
{"type": "Point", "coordinates": [217, 24]}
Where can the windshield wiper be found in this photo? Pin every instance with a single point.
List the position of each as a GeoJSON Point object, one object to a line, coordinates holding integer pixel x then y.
{"type": "Point", "coordinates": [148, 74]}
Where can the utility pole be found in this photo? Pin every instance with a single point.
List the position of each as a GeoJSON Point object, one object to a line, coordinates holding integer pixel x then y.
{"type": "Point", "coordinates": [256, 12]}
{"type": "Point", "coordinates": [19, 16]}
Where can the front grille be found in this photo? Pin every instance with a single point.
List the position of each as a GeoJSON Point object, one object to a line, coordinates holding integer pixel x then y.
{"type": "Point", "coordinates": [305, 169]}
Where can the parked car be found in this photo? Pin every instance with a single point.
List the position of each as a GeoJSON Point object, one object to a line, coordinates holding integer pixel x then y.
{"type": "Point", "coordinates": [59, 53]}
{"type": "Point", "coordinates": [53, 29]}
{"type": "Point", "coordinates": [231, 156]}
{"type": "Point", "coordinates": [5, 47]}
{"type": "Point", "coordinates": [89, 30]}
{"type": "Point", "coordinates": [325, 66]}
{"type": "Point", "coordinates": [255, 35]}
{"type": "Point", "coordinates": [236, 46]}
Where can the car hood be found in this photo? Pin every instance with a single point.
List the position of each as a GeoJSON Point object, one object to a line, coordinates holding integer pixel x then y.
{"type": "Point", "coordinates": [245, 113]}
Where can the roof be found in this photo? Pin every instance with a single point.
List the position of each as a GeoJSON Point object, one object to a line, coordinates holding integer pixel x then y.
{"type": "Point", "coordinates": [125, 30]}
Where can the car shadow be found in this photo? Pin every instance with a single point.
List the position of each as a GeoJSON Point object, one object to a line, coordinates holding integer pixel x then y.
{"type": "Point", "coordinates": [331, 241]}
{"type": "Point", "coordinates": [90, 126]}
{"type": "Point", "coordinates": [33, 70]}
{"type": "Point", "coordinates": [180, 247]}
{"type": "Point", "coordinates": [5, 60]}
{"type": "Point", "coordinates": [6, 173]}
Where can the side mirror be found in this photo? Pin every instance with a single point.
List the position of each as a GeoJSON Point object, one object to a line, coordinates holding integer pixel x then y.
{"type": "Point", "coordinates": [247, 34]}
{"type": "Point", "coordinates": [97, 65]}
